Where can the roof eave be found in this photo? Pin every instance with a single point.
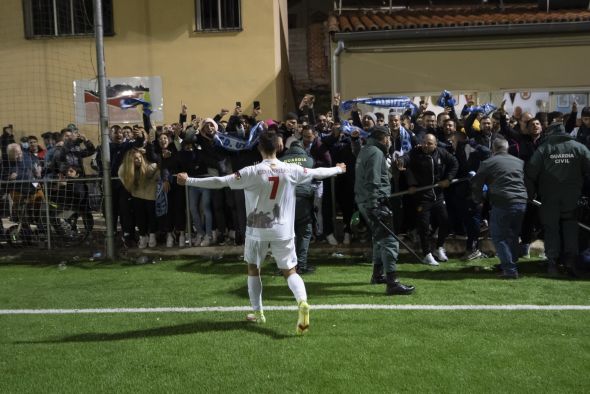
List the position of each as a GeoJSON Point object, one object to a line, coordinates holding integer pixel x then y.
{"type": "Point", "coordinates": [466, 31]}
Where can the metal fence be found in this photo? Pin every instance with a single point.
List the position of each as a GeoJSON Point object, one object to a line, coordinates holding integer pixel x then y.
{"type": "Point", "coordinates": [51, 213]}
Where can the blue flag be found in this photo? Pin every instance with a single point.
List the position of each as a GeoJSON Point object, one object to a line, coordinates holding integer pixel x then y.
{"type": "Point", "coordinates": [131, 102]}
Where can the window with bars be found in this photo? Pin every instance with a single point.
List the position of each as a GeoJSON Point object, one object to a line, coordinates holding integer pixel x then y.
{"type": "Point", "coordinates": [63, 18]}
{"type": "Point", "coordinates": [218, 15]}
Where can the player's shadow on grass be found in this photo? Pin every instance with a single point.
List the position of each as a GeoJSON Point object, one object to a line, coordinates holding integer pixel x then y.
{"type": "Point", "coordinates": [279, 291]}
{"type": "Point", "coordinates": [526, 269]}
{"type": "Point", "coordinates": [212, 267]}
{"type": "Point", "coordinates": [167, 331]}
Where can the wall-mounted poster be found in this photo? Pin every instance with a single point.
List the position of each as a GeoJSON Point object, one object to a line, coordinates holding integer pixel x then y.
{"type": "Point", "coordinates": [532, 102]}
{"type": "Point", "coordinates": [127, 99]}
{"type": "Point", "coordinates": [564, 101]}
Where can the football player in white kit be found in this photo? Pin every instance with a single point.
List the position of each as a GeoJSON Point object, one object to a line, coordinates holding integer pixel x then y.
{"type": "Point", "coordinates": [270, 207]}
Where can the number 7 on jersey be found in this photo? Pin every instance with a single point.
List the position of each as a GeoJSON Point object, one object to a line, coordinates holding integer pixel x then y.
{"type": "Point", "coordinates": [275, 186]}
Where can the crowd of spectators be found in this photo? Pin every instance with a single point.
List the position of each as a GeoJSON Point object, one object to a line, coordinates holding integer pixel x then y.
{"type": "Point", "coordinates": [426, 149]}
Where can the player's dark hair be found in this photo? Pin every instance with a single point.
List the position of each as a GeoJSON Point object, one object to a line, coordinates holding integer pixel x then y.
{"type": "Point", "coordinates": [268, 142]}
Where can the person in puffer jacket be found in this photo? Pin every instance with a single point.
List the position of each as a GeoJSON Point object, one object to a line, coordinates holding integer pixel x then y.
{"type": "Point", "coordinates": [429, 165]}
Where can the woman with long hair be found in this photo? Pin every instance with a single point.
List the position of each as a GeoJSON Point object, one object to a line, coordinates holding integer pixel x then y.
{"type": "Point", "coordinates": [140, 178]}
{"type": "Point", "coordinates": [174, 221]}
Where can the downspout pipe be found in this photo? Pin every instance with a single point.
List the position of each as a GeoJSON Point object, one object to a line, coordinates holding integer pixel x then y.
{"type": "Point", "coordinates": [336, 67]}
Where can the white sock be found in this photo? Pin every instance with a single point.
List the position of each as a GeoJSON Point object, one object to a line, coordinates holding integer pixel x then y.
{"type": "Point", "coordinates": [255, 292]}
{"type": "Point", "coordinates": [297, 287]}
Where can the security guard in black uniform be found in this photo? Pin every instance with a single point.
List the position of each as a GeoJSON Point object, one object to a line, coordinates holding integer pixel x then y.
{"type": "Point", "coordinates": [304, 211]}
{"type": "Point", "coordinates": [556, 173]}
{"type": "Point", "coordinates": [372, 188]}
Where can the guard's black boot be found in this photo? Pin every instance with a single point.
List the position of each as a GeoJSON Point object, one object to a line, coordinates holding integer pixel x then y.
{"type": "Point", "coordinates": [395, 287]}
{"type": "Point", "coordinates": [570, 266]}
{"type": "Point", "coordinates": [552, 268]}
{"type": "Point", "coordinates": [305, 269]}
{"type": "Point", "coordinates": [378, 277]}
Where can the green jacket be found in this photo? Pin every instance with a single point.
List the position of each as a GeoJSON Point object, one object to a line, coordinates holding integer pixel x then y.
{"type": "Point", "coordinates": [371, 174]}
{"type": "Point", "coordinates": [557, 169]}
{"type": "Point", "coordinates": [296, 154]}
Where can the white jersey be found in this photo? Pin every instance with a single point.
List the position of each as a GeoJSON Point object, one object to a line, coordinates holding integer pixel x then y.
{"type": "Point", "coordinates": [269, 188]}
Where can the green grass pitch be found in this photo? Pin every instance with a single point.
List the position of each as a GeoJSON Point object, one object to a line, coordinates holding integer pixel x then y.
{"type": "Point", "coordinates": [346, 351]}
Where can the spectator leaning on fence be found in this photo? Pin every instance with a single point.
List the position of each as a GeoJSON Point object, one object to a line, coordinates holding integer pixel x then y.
{"type": "Point", "coordinates": [140, 178]}
{"type": "Point", "coordinates": [122, 208]}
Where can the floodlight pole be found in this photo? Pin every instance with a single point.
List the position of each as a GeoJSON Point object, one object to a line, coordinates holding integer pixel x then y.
{"type": "Point", "coordinates": [104, 131]}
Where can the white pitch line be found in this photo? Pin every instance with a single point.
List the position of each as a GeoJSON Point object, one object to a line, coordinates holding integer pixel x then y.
{"type": "Point", "coordinates": [292, 308]}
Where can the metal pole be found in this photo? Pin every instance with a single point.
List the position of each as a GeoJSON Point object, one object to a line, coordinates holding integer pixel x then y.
{"type": "Point", "coordinates": [333, 203]}
{"type": "Point", "coordinates": [428, 187]}
{"type": "Point", "coordinates": [48, 220]}
{"type": "Point", "coordinates": [104, 131]}
{"type": "Point", "coordinates": [189, 226]}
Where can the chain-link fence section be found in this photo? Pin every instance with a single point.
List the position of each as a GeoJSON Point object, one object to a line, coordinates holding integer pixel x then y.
{"type": "Point", "coordinates": [51, 213]}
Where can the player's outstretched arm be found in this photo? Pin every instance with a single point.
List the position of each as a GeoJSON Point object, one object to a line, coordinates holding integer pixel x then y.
{"type": "Point", "coordinates": [214, 182]}
{"type": "Point", "coordinates": [322, 172]}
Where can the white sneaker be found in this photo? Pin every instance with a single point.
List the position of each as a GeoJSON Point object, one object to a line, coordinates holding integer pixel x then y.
{"type": "Point", "coordinates": [206, 241]}
{"type": "Point", "coordinates": [152, 241]}
{"type": "Point", "coordinates": [143, 242]}
{"type": "Point", "coordinates": [346, 240]}
{"type": "Point", "coordinates": [181, 240]}
{"type": "Point", "coordinates": [169, 240]}
{"type": "Point", "coordinates": [429, 259]}
{"type": "Point", "coordinates": [332, 239]}
{"type": "Point", "coordinates": [476, 254]}
{"type": "Point", "coordinates": [440, 254]}
{"type": "Point", "coordinates": [197, 238]}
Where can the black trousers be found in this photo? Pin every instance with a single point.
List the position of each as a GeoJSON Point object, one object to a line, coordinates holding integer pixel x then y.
{"type": "Point", "coordinates": [425, 211]}
{"type": "Point", "coordinates": [122, 208]}
{"type": "Point", "coordinates": [145, 215]}
{"type": "Point", "coordinates": [239, 215]}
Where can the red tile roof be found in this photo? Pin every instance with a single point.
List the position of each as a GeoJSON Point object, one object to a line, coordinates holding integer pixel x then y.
{"type": "Point", "coordinates": [353, 21]}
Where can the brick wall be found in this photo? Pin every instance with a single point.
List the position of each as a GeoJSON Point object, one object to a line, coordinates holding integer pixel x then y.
{"type": "Point", "coordinates": [298, 54]}
{"type": "Point", "coordinates": [317, 60]}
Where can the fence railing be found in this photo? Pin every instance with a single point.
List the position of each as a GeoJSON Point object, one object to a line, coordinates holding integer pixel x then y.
{"type": "Point", "coordinates": [51, 213]}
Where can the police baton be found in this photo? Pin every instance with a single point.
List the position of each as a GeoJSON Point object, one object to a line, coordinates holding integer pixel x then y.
{"type": "Point", "coordinates": [422, 188]}
{"type": "Point", "coordinates": [539, 203]}
{"type": "Point", "coordinates": [390, 231]}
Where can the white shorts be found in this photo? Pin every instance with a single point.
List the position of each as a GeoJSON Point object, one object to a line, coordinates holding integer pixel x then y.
{"type": "Point", "coordinates": [282, 251]}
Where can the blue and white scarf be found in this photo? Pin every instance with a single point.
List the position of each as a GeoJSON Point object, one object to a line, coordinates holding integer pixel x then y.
{"type": "Point", "coordinates": [382, 102]}
{"type": "Point", "coordinates": [406, 138]}
{"type": "Point", "coordinates": [236, 144]}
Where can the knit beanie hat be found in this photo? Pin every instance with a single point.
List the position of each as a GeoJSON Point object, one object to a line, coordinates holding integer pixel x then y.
{"type": "Point", "coordinates": [372, 116]}
{"type": "Point", "coordinates": [586, 112]}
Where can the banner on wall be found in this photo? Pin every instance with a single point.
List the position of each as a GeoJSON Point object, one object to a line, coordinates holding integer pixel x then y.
{"type": "Point", "coordinates": [127, 99]}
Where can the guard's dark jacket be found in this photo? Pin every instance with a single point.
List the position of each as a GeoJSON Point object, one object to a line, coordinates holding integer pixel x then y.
{"type": "Point", "coordinates": [372, 174]}
{"type": "Point", "coordinates": [558, 168]}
